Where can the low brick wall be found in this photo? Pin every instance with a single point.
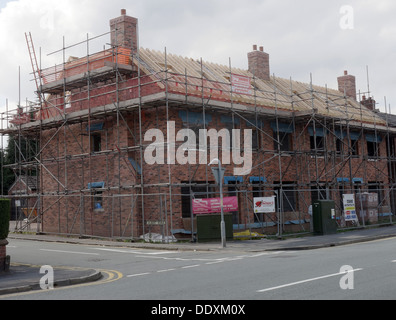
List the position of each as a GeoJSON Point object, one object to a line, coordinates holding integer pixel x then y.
{"type": "Point", "coordinates": [3, 254]}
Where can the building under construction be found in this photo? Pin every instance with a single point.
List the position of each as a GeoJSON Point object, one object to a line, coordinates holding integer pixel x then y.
{"type": "Point", "coordinates": [91, 132]}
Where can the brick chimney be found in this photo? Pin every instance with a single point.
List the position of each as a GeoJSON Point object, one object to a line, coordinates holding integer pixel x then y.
{"type": "Point", "coordinates": [347, 84]}
{"type": "Point", "coordinates": [124, 31]}
{"type": "Point", "coordinates": [259, 63]}
{"type": "Point", "coordinates": [368, 103]}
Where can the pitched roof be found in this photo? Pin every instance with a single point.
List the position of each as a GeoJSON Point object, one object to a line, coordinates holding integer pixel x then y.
{"type": "Point", "coordinates": [29, 181]}
{"type": "Point", "coordinates": [186, 75]}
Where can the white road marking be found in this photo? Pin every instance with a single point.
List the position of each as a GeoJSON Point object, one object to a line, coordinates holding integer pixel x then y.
{"type": "Point", "coordinates": [215, 262]}
{"type": "Point", "coordinates": [305, 281]}
{"type": "Point", "coordinates": [266, 253]}
{"type": "Point", "coordinates": [138, 275]}
{"type": "Point", "coordinates": [194, 266]}
{"type": "Point", "coordinates": [135, 252]}
{"type": "Point", "coordinates": [209, 261]}
{"type": "Point", "coordinates": [73, 252]}
{"type": "Point", "coordinates": [232, 259]}
{"type": "Point", "coordinates": [166, 270]}
{"type": "Point", "coordinates": [179, 259]}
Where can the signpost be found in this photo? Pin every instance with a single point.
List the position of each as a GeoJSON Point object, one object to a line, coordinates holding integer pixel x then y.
{"type": "Point", "coordinates": [219, 175]}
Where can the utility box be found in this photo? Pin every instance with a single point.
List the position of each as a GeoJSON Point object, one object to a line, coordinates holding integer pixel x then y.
{"type": "Point", "coordinates": [209, 230]}
{"type": "Point", "coordinates": [324, 219]}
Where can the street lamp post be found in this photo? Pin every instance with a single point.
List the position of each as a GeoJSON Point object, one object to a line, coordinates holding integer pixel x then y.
{"type": "Point", "coordinates": [222, 223]}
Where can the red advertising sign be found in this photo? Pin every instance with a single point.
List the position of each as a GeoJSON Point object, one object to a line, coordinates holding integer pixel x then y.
{"type": "Point", "coordinates": [213, 205]}
{"type": "Point", "coordinates": [241, 84]}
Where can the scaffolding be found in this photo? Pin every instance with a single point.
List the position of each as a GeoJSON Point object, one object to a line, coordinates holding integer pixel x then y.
{"type": "Point", "coordinates": [309, 143]}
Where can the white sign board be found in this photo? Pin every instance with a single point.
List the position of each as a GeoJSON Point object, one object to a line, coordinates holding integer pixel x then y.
{"type": "Point", "coordinates": [241, 84]}
{"type": "Point", "coordinates": [264, 205]}
{"type": "Point", "coordinates": [349, 207]}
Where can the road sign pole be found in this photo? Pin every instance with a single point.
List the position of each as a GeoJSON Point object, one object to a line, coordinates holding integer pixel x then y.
{"type": "Point", "coordinates": [222, 223]}
{"type": "Point", "coordinates": [219, 176]}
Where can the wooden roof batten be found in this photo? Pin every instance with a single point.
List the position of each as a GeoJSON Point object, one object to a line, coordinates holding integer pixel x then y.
{"type": "Point", "coordinates": [192, 80]}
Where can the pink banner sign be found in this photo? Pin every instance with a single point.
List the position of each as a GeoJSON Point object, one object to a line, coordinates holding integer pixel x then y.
{"type": "Point", "coordinates": [212, 205]}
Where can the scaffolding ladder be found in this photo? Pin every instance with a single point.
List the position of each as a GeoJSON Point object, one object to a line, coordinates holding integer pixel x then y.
{"type": "Point", "coordinates": [36, 73]}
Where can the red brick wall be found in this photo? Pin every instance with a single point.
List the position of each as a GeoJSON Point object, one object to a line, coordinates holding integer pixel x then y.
{"type": "Point", "coordinates": [100, 94]}
{"type": "Point", "coordinates": [116, 220]}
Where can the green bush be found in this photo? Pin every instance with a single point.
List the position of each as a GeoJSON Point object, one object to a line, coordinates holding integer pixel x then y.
{"type": "Point", "coordinates": [5, 213]}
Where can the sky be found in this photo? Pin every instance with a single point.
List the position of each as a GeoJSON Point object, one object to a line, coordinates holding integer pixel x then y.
{"type": "Point", "coordinates": [304, 37]}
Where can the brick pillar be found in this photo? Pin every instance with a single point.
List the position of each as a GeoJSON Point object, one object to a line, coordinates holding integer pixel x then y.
{"type": "Point", "coordinates": [124, 31]}
{"type": "Point", "coordinates": [3, 255]}
{"type": "Point", "coordinates": [259, 63]}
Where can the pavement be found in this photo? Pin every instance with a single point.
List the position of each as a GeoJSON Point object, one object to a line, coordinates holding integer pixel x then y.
{"type": "Point", "coordinates": [23, 278]}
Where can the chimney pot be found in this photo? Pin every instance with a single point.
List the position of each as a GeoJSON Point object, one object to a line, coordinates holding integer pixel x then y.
{"type": "Point", "coordinates": [123, 12]}
{"type": "Point", "coordinates": [255, 47]}
{"type": "Point", "coordinates": [345, 73]}
{"type": "Point", "coordinates": [262, 49]}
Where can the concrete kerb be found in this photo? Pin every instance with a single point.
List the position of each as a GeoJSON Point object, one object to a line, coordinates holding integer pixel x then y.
{"type": "Point", "coordinates": [96, 275]}
{"type": "Point", "coordinates": [72, 281]}
{"type": "Point", "coordinates": [13, 290]}
{"type": "Point", "coordinates": [334, 244]}
{"type": "Point", "coordinates": [279, 245]}
{"type": "Point", "coordinates": [304, 243]}
{"type": "Point", "coordinates": [114, 243]}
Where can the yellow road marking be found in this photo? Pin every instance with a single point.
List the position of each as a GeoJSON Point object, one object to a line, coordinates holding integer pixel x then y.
{"type": "Point", "coordinates": [112, 276]}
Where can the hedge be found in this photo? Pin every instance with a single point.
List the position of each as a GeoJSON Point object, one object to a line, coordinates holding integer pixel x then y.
{"type": "Point", "coordinates": [5, 213]}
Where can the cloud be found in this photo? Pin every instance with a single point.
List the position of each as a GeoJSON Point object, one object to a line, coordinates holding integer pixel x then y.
{"type": "Point", "coordinates": [302, 37]}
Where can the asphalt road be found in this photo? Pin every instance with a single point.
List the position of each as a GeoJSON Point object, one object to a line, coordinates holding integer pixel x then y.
{"type": "Point", "coordinates": [138, 274]}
